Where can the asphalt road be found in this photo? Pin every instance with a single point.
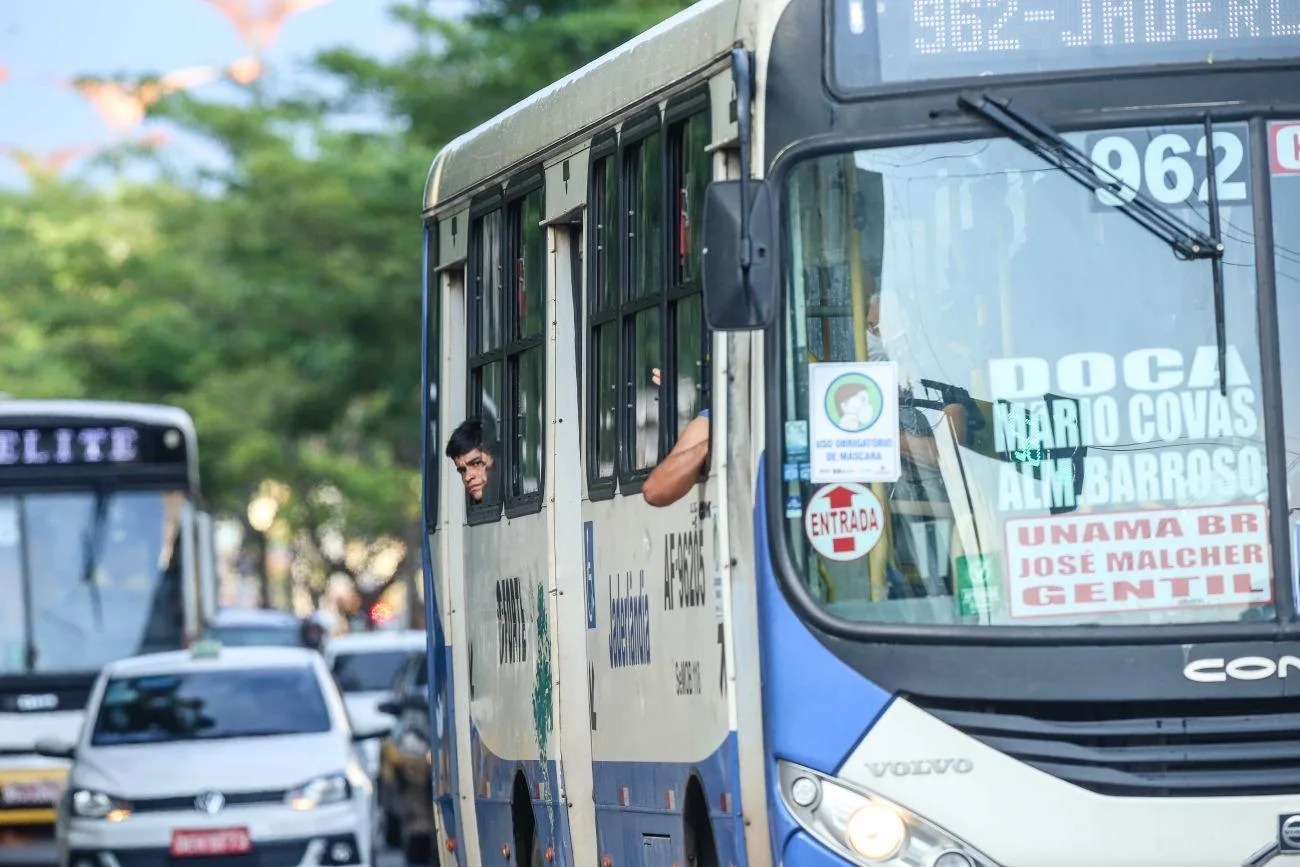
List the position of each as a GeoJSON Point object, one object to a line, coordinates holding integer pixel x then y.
{"type": "Point", "coordinates": [44, 856]}
{"type": "Point", "coordinates": [390, 858]}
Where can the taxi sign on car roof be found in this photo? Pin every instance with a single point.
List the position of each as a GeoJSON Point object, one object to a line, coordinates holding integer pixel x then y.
{"type": "Point", "coordinates": [206, 649]}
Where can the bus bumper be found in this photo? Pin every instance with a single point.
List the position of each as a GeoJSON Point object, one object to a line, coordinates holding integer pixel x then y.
{"type": "Point", "coordinates": [28, 795]}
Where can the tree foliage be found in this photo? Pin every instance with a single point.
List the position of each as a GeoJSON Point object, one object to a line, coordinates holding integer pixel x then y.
{"type": "Point", "coordinates": [278, 298]}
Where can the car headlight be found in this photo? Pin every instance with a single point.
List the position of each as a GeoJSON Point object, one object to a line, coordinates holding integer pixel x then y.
{"type": "Point", "coordinates": [329, 789]}
{"type": "Point", "coordinates": [89, 804]}
{"type": "Point", "coordinates": [866, 828]}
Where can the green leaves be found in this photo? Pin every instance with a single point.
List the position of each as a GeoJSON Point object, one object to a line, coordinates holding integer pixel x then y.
{"type": "Point", "coordinates": [278, 298]}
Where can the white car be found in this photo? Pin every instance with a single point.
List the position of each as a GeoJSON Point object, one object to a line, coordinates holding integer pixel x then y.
{"type": "Point", "coordinates": [364, 666]}
{"type": "Point", "coordinates": [215, 752]}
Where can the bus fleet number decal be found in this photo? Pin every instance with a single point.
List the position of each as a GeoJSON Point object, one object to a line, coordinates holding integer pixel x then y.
{"type": "Point", "coordinates": [1172, 167]}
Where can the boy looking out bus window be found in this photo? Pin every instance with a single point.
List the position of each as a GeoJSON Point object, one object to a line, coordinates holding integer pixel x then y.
{"type": "Point", "coordinates": [471, 456]}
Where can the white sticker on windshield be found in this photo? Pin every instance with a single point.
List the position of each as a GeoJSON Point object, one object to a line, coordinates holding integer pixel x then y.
{"type": "Point", "coordinates": [1153, 560]}
{"type": "Point", "coordinates": [854, 419]}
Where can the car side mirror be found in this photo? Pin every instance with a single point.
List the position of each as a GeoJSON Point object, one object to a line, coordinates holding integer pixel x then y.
{"type": "Point", "coordinates": [418, 701]}
{"type": "Point", "coordinates": [739, 285]}
{"type": "Point", "coordinates": [371, 732]}
{"type": "Point", "coordinates": [391, 706]}
{"type": "Point", "coordinates": [52, 748]}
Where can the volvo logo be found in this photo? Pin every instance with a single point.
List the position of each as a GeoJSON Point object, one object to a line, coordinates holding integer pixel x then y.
{"type": "Point", "coordinates": [36, 702]}
{"type": "Point", "coordinates": [1241, 668]}
{"type": "Point", "coordinates": [1288, 833]}
{"type": "Point", "coordinates": [920, 767]}
{"type": "Point", "coordinates": [210, 803]}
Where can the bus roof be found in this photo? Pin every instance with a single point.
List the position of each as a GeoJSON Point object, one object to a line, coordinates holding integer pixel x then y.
{"type": "Point", "coordinates": [142, 413]}
{"type": "Point", "coordinates": [688, 42]}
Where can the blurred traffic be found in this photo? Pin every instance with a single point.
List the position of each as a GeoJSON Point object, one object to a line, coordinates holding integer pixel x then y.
{"type": "Point", "coordinates": [315, 746]}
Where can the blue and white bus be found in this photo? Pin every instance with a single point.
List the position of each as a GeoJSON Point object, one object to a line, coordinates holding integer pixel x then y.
{"type": "Point", "coordinates": [992, 562]}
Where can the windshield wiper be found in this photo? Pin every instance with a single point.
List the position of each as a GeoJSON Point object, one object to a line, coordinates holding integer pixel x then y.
{"type": "Point", "coordinates": [92, 544]}
{"type": "Point", "coordinates": [1038, 138]}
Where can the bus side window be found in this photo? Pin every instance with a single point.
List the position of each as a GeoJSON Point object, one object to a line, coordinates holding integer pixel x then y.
{"type": "Point", "coordinates": [507, 363]}
{"type": "Point", "coordinates": [642, 300]}
{"type": "Point", "coordinates": [690, 168]}
{"type": "Point", "coordinates": [602, 342]}
{"type": "Point", "coordinates": [525, 353]}
{"type": "Point", "coordinates": [485, 352]}
{"type": "Point", "coordinates": [647, 342]}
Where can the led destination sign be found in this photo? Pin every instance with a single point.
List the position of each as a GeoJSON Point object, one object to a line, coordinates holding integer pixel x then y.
{"type": "Point", "coordinates": [34, 446]}
{"type": "Point", "coordinates": [883, 41]}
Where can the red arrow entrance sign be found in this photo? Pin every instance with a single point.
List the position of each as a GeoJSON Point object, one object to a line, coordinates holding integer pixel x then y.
{"type": "Point", "coordinates": [843, 522]}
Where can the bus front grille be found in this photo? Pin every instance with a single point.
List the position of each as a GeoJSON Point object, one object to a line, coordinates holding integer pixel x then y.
{"type": "Point", "coordinates": [1152, 749]}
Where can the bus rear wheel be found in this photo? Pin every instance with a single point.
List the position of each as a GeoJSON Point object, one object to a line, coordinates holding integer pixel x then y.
{"type": "Point", "coordinates": [528, 842]}
{"type": "Point", "coordinates": [697, 829]}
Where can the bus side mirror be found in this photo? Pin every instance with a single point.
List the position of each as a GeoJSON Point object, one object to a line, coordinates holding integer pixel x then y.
{"type": "Point", "coordinates": [53, 748]}
{"type": "Point", "coordinates": [739, 286]}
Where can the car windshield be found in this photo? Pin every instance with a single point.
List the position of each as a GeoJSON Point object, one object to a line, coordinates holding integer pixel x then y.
{"type": "Point", "coordinates": [1002, 396]}
{"type": "Point", "coordinates": [256, 636]}
{"type": "Point", "coordinates": [87, 578]}
{"type": "Point", "coordinates": [209, 705]}
{"type": "Point", "coordinates": [371, 671]}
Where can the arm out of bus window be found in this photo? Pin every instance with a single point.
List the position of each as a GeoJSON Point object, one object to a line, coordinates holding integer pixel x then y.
{"type": "Point", "coordinates": [680, 471]}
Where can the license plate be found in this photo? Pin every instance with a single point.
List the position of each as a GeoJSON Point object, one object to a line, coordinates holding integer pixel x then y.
{"type": "Point", "coordinates": [214, 841]}
{"type": "Point", "coordinates": [40, 793]}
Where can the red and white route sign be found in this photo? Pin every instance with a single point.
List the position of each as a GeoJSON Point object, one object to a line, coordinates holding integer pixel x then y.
{"type": "Point", "coordinates": [1284, 147]}
{"type": "Point", "coordinates": [843, 521]}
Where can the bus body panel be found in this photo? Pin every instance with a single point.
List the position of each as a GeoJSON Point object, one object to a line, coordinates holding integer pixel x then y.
{"type": "Point", "coordinates": [1016, 814]}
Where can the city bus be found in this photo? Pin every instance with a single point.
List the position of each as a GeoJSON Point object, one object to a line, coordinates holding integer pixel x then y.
{"type": "Point", "coordinates": [992, 560]}
{"type": "Point", "coordinates": [103, 555]}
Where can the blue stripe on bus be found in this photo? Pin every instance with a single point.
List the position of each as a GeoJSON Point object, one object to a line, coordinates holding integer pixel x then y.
{"type": "Point", "coordinates": [815, 708]}
{"type": "Point", "coordinates": [618, 828]}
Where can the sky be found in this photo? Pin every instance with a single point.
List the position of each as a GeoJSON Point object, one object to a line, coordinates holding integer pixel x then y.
{"type": "Point", "coordinates": [44, 43]}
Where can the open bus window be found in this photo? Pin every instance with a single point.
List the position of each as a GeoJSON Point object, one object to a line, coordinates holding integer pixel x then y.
{"type": "Point", "coordinates": [1067, 456]}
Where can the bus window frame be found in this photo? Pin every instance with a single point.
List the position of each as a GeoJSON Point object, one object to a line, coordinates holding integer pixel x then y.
{"type": "Point", "coordinates": [621, 311]}
{"type": "Point", "coordinates": [506, 200]}
{"type": "Point", "coordinates": [636, 132]}
{"type": "Point", "coordinates": [476, 358]}
{"type": "Point", "coordinates": [594, 317]}
{"type": "Point", "coordinates": [515, 345]}
{"type": "Point", "coordinates": [691, 106]}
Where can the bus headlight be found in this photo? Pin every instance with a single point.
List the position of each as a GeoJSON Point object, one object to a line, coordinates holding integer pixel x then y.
{"type": "Point", "coordinates": [875, 832]}
{"type": "Point", "coordinates": [866, 828]}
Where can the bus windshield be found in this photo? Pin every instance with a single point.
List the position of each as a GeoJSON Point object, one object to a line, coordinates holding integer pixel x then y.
{"type": "Point", "coordinates": [88, 577]}
{"type": "Point", "coordinates": [1067, 452]}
